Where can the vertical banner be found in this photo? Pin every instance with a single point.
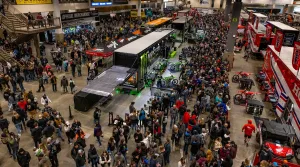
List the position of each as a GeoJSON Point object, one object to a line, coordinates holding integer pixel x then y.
{"type": "Point", "coordinates": [257, 22]}
{"type": "Point", "coordinates": [279, 41]}
{"type": "Point", "coordinates": [268, 31]}
{"type": "Point", "coordinates": [296, 59]}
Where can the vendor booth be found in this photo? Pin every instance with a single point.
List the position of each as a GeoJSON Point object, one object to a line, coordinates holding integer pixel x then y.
{"type": "Point", "coordinates": [164, 21]}
{"type": "Point", "coordinates": [256, 31]}
{"type": "Point", "coordinates": [279, 66]}
{"type": "Point", "coordinates": [139, 56]}
{"type": "Point", "coordinates": [182, 26]}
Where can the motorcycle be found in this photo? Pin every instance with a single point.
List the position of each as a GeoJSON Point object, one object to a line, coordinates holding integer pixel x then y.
{"type": "Point", "coordinates": [243, 96]}
{"type": "Point", "coordinates": [238, 75]}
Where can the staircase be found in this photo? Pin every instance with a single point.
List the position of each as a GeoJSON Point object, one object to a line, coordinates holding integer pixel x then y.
{"type": "Point", "coordinates": [17, 22]}
{"type": "Point", "coordinates": [4, 55]}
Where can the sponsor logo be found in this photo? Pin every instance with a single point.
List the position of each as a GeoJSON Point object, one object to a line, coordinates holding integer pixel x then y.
{"type": "Point", "coordinates": [131, 38]}
{"type": "Point", "coordinates": [296, 54]}
{"type": "Point", "coordinates": [113, 44]}
{"type": "Point", "coordinates": [296, 91]}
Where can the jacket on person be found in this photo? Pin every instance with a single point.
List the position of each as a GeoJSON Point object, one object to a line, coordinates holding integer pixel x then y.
{"type": "Point", "coordinates": [36, 133]}
{"type": "Point", "coordinates": [4, 123]}
{"type": "Point", "coordinates": [23, 159]}
{"type": "Point", "coordinates": [248, 128]}
{"type": "Point", "coordinates": [64, 82]}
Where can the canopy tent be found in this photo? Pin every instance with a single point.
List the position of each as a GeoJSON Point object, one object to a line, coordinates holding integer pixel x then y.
{"type": "Point", "coordinates": [98, 52]}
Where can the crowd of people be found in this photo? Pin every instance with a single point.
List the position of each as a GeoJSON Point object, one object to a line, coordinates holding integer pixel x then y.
{"type": "Point", "coordinates": [196, 112]}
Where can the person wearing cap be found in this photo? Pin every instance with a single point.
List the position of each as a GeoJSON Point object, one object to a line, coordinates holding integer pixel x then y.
{"type": "Point", "coordinates": [249, 128]}
{"type": "Point", "coordinates": [45, 100]}
{"type": "Point", "coordinates": [23, 158]}
{"type": "Point", "coordinates": [70, 132]}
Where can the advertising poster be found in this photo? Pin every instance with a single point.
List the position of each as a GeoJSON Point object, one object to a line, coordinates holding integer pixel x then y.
{"type": "Point", "coordinates": [33, 2]}
{"type": "Point", "coordinates": [279, 41]}
{"type": "Point", "coordinates": [268, 31]}
{"type": "Point", "coordinates": [296, 59]}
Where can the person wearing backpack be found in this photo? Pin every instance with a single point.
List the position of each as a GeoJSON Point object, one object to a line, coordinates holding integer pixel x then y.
{"type": "Point", "coordinates": [93, 156]}
{"type": "Point", "coordinates": [187, 141]}
{"type": "Point", "coordinates": [13, 141]}
{"type": "Point", "coordinates": [72, 85]}
{"type": "Point", "coordinates": [23, 158]}
{"type": "Point", "coordinates": [54, 148]}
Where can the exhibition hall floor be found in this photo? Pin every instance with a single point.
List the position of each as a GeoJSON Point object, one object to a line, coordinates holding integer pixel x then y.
{"type": "Point", "coordinates": [119, 106]}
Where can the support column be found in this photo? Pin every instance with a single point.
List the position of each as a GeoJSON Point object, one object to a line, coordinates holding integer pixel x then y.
{"type": "Point", "coordinates": [59, 34]}
{"type": "Point", "coordinates": [227, 9]}
{"type": "Point", "coordinates": [290, 9]}
{"type": "Point", "coordinates": [162, 6]}
{"type": "Point", "coordinates": [36, 42]}
{"type": "Point", "coordinates": [139, 8]}
{"type": "Point", "coordinates": [212, 3]}
{"type": "Point", "coordinates": [236, 11]}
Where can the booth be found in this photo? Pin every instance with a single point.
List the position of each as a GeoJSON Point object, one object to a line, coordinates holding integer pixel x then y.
{"type": "Point", "coordinates": [182, 26]}
{"type": "Point", "coordinates": [290, 34]}
{"type": "Point", "coordinates": [140, 56]}
{"type": "Point", "coordinates": [256, 31]}
{"type": "Point", "coordinates": [159, 22]}
{"type": "Point", "coordinates": [278, 66]}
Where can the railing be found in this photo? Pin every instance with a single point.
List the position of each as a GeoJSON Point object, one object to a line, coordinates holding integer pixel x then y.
{"type": "Point", "coordinates": [6, 57]}
{"type": "Point", "coordinates": [19, 15]}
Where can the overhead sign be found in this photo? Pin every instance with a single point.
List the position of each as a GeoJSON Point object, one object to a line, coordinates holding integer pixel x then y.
{"type": "Point", "coordinates": [101, 2]}
{"type": "Point", "coordinates": [33, 2]}
{"type": "Point", "coordinates": [120, 1]}
{"type": "Point", "coordinates": [77, 15]}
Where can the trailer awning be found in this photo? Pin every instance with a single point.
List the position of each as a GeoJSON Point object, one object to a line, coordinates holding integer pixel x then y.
{"type": "Point", "coordinates": [106, 82]}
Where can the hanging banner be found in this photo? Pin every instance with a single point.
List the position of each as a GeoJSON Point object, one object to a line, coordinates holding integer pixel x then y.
{"type": "Point", "coordinates": [279, 40]}
{"type": "Point", "coordinates": [296, 59]}
{"type": "Point", "coordinates": [33, 2]}
{"type": "Point", "coordinates": [268, 31]}
{"type": "Point", "coordinates": [134, 13]}
{"type": "Point", "coordinates": [257, 22]}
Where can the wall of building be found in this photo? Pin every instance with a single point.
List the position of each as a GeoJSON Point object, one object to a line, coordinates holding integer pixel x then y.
{"type": "Point", "coordinates": [49, 7]}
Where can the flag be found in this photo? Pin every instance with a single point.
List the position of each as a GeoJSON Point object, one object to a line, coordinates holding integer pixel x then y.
{"type": "Point", "coordinates": [279, 41]}
{"type": "Point", "coordinates": [268, 31]}
{"type": "Point", "coordinates": [296, 58]}
{"type": "Point", "coordinates": [257, 22]}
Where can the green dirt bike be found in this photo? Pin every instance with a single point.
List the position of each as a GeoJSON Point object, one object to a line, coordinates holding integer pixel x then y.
{"type": "Point", "coordinates": [169, 82]}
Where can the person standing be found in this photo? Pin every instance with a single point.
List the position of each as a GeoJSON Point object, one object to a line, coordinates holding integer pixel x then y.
{"type": "Point", "coordinates": [23, 158]}
{"type": "Point", "coordinates": [53, 80]}
{"type": "Point", "coordinates": [249, 128]}
{"type": "Point", "coordinates": [20, 80]}
{"type": "Point", "coordinates": [3, 123]}
{"type": "Point", "coordinates": [93, 156]}
{"type": "Point", "coordinates": [167, 151]}
{"type": "Point", "coordinates": [131, 107]}
{"type": "Point", "coordinates": [73, 67]}
{"type": "Point", "coordinates": [97, 115]}
{"type": "Point", "coordinates": [13, 141]}
{"type": "Point", "coordinates": [4, 140]}
{"type": "Point", "coordinates": [41, 84]}
{"type": "Point", "coordinates": [80, 159]}
{"type": "Point", "coordinates": [17, 120]}
{"type": "Point", "coordinates": [64, 84]}
{"type": "Point", "coordinates": [36, 134]}
{"type": "Point", "coordinates": [98, 133]}
{"type": "Point", "coordinates": [72, 85]}
{"type": "Point", "coordinates": [53, 148]}
{"type": "Point", "coordinates": [79, 69]}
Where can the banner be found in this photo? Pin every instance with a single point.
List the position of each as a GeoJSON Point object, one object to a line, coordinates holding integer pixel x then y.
{"type": "Point", "coordinates": [257, 22]}
{"type": "Point", "coordinates": [33, 2]}
{"type": "Point", "coordinates": [77, 15]}
{"type": "Point", "coordinates": [279, 40]}
{"type": "Point", "coordinates": [296, 59]}
{"type": "Point", "coordinates": [268, 31]}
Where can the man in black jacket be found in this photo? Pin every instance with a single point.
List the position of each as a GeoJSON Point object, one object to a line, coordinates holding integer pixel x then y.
{"type": "Point", "coordinates": [80, 159]}
{"type": "Point", "coordinates": [48, 130]}
{"type": "Point", "coordinates": [265, 154]}
{"type": "Point", "coordinates": [23, 158]}
{"type": "Point", "coordinates": [36, 134]}
{"type": "Point", "coordinates": [3, 123]}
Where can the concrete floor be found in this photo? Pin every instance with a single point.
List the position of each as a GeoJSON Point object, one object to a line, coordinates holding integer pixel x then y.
{"type": "Point", "coordinates": [119, 105]}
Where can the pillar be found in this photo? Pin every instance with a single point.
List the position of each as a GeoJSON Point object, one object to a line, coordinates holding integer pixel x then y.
{"type": "Point", "coordinates": [227, 9]}
{"type": "Point", "coordinates": [236, 11]}
{"type": "Point", "coordinates": [36, 42]}
{"type": "Point", "coordinates": [212, 3]}
{"type": "Point", "coordinates": [59, 34]}
{"type": "Point", "coordinates": [162, 6]}
{"type": "Point", "coordinates": [290, 9]}
{"type": "Point", "coordinates": [139, 8]}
